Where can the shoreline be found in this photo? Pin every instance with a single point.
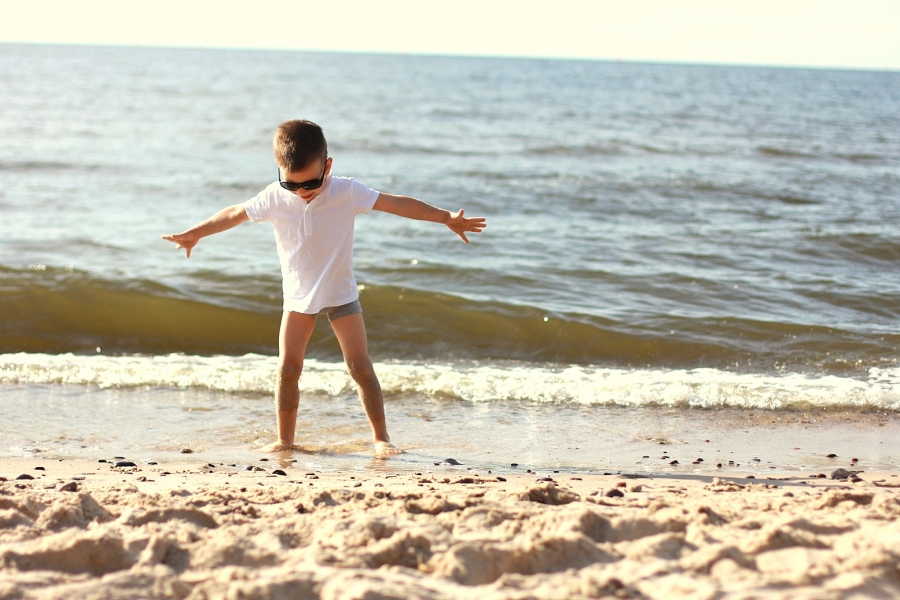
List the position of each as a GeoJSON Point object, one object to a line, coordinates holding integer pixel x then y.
{"type": "Point", "coordinates": [87, 529]}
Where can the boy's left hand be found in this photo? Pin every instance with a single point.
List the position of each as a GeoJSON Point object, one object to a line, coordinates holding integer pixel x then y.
{"type": "Point", "coordinates": [459, 224]}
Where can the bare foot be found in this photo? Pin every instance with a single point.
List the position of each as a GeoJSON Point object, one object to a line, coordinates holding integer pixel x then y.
{"type": "Point", "coordinates": [386, 449]}
{"type": "Point", "coordinates": [278, 446]}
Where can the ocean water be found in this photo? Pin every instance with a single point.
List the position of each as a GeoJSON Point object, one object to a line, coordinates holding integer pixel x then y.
{"type": "Point", "coordinates": [667, 246]}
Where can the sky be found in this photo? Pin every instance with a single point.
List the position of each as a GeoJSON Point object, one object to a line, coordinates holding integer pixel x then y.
{"type": "Point", "coordinates": [818, 33]}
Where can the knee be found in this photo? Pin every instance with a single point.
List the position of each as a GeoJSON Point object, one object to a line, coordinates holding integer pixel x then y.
{"type": "Point", "coordinates": [289, 370]}
{"type": "Point", "coordinates": [361, 370]}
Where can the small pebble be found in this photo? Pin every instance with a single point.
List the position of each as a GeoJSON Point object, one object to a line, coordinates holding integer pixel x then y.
{"type": "Point", "coordinates": [452, 461]}
{"type": "Point", "coordinates": [263, 459]}
{"type": "Point", "coordinates": [125, 463]}
{"type": "Point", "coordinates": [69, 487]}
{"type": "Point", "coordinates": [614, 493]}
{"type": "Point", "coordinates": [40, 469]}
{"type": "Point", "coordinates": [831, 455]}
{"type": "Point", "coordinates": [501, 478]}
{"type": "Point", "coordinates": [187, 451]}
{"type": "Point", "coordinates": [25, 476]}
{"type": "Point", "coordinates": [514, 464]}
{"type": "Point", "coordinates": [674, 462]}
{"type": "Point", "coordinates": [279, 472]}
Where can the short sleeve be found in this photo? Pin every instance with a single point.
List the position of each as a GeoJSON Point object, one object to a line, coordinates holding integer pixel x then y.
{"type": "Point", "coordinates": [362, 197]}
{"type": "Point", "coordinates": [260, 206]}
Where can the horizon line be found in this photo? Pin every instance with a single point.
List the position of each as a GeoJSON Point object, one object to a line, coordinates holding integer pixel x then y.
{"type": "Point", "coordinates": [644, 61]}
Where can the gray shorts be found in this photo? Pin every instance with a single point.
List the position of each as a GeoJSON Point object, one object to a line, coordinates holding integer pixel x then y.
{"type": "Point", "coordinates": [336, 312]}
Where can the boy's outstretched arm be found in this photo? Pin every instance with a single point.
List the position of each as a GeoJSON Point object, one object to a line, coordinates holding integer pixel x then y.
{"type": "Point", "coordinates": [221, 221]}
{"type": "Point", "coordinates": [411, 208]}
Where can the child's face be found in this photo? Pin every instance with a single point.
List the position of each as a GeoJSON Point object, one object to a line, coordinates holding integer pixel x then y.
{"type": "Point", "coordinates": [314, 170]}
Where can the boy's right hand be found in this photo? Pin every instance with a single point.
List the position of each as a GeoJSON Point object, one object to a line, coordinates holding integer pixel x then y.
{"type": "Point", "coordinates": [183, 240]}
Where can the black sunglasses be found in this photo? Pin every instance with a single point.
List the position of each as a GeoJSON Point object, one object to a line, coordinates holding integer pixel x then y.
{"type": "Point", "coordinates": [312, 184]}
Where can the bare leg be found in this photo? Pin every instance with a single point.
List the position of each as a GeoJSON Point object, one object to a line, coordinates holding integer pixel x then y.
{"type": "Point", "coordinates": [296, 329]}
{"type": "Point", "coordinates": [351, 334]}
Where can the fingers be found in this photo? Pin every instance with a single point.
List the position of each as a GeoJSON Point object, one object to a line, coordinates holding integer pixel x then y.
{"type": "Point", "coordinates": [179, 244]}
{"type": "Point", "coordinates": [463, 236]}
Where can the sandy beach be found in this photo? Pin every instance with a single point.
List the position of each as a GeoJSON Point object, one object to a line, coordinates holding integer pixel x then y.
{"type": "Point", "coordinates": [79, 529]}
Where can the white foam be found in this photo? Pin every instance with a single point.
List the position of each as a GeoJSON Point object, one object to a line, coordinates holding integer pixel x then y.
{"type": "Point", "coordinates": [702, 388]}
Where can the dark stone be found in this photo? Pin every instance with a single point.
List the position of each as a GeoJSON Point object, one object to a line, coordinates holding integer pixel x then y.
{"type": "Point", "coordinates": [279, 472]}
{"type": "Point", "coordinates": [125, 463]}
{"type": "Point", "coordinates": [24, 476]}
{"type": "Point", "coordinates": [614, 493]}
{"type": "Point", "coordinates": [514, 464]}
{"type": "Point", "coordinates": [501, 478]}
{"type": "Point", "coordinates": [187, 451]}
{"type": "Point", "coordinates": [831, 455]}
{"type": "Point", "coordinates": [69, 487]}
{"type": "Point", "coordinates": [40, 469]}
{"type": "Point", "coordinates": [452, 461]}
{"type": "Point", "coordinates": [674, 462]}
{"type": "Point", "coordinates": [842, 474]}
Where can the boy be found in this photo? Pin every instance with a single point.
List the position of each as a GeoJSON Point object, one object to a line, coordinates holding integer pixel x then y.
{"type": "Point", "coordinates": [312, 214]}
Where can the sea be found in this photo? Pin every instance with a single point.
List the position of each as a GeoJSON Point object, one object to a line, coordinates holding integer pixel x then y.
{"type": "Point", "coordinates": [685, 268]}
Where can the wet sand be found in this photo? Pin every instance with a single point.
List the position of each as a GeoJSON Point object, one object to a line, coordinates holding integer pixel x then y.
{"type": "Point", "coordinates": [273, 530]}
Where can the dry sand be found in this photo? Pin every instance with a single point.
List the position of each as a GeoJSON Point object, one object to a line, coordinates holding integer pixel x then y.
{"type": "Point", "coordinates": [89, 530]}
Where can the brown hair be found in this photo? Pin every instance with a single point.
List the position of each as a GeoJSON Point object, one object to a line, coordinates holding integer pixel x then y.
{"type": "Point", "coordinates": [298, 143]}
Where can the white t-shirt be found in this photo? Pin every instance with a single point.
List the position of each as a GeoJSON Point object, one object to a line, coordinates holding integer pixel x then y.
{"type": "Point", "coordinates": [314, 240]}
